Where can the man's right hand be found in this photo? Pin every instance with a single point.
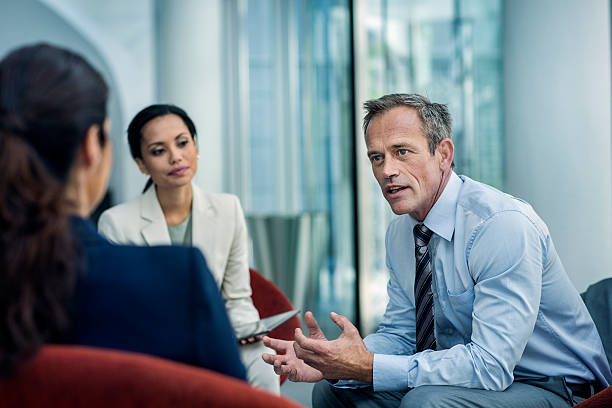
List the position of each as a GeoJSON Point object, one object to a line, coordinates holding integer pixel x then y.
{"type": "Point", "coordinates": [287, 362]}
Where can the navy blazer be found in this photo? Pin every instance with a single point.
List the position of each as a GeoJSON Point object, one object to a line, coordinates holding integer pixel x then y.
{"type": "Point", "coordinates": [156, 300]}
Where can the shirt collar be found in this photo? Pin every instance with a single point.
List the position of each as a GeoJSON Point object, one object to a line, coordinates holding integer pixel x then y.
{"type": "Point", "coordinates": [441, 217]}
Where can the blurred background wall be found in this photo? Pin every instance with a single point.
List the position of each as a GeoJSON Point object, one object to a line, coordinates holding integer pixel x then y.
{"type": "Point", "coordinates": [275, 88]}
{"type": "Point", "coordinates": [104, 34]}
{"type": "Point", "coordinates": [557, 115]}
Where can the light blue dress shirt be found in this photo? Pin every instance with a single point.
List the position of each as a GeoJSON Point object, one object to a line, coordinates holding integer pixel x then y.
{"type": "Point", "coordinates": [503, 303]}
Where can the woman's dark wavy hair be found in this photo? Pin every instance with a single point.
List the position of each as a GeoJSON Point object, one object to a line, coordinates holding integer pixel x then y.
{"type": "Point", "coordinates": [145, 116]}
{"type": "Point", "coordinates": [49, 97]}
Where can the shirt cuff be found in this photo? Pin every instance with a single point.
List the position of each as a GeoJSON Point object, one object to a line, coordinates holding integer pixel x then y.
{"type": "Point", "coordinates": [349, 384]}
{"type": "Point", "coordinates": [392, 372]}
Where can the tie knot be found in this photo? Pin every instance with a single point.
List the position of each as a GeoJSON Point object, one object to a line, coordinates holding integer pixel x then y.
{"type": "Point", "coordinates": [422, 235]}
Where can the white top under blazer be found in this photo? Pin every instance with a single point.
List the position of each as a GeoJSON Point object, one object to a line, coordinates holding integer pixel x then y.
{"type": "Point", "coordinates": [218, 230]}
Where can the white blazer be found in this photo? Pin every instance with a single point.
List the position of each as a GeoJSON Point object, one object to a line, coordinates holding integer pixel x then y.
{"type": "Point", "coordinates": [218, 230]}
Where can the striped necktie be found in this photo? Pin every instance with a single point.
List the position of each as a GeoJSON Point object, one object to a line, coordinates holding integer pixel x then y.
{"type": "Point", "coordinates": [425, 338]}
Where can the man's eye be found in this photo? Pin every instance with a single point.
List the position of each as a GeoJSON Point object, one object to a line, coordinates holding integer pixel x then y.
{"type": "Point", "coordinates": [375, 158]}
{"type": "Point", "coordinates": [402, 152]}
{"type": "Point", "coordinates": [183, 143]}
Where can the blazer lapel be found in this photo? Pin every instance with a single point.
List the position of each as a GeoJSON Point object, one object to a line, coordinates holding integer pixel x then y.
{"type": "Point", "coordinates": [204, 224]}
{"type": "Point", "coordinates": [155, 230]}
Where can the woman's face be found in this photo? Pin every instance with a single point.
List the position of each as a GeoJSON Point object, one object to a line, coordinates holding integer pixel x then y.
{"type": "Point", "coordinates": [169, 153]}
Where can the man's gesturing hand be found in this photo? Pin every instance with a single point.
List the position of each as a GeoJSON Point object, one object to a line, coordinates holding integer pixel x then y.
{"type": "Point", "coordinates": [345, 358]}
{"type": "Point", "coordinates": [288, 363]}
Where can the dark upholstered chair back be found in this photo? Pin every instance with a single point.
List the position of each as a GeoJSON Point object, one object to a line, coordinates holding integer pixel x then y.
{"type": "Point", "coordinates": [76, 376]}
{"type": "Point", "coordinates": [598, 300]}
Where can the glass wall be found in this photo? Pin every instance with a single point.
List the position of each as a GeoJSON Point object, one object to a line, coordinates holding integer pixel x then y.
{"type": "Point", "coordinates": [450, 51]}
{"type": "Point", "coordinates": [290, 142]}
{"type": "Point", "coordinates": [291, 128]}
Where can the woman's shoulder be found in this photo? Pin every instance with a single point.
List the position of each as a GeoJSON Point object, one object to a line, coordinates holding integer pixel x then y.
{"type": "Point", "coordinates": [220, 202]}
{"type": "Point", "coordinates": [223, 198]}
{"type": "Point", "coordinates": [127, 208]}
{"type": "Point", "coordinates": [121, 219]}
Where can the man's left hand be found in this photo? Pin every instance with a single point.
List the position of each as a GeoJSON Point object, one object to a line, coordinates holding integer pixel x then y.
{"type": "Point", "coordinates": [345, 358]}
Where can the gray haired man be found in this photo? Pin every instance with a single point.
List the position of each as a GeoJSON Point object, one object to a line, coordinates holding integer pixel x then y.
{"type": "Point", "coordinates": [481, 312]}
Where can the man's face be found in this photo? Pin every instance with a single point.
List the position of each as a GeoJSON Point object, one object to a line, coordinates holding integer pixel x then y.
{"type": "Point", "coordinates": [409, 176]}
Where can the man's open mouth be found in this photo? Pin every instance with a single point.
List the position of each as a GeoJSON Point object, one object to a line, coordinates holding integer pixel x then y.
{"type": "Point", "coordinates": [395, 189]}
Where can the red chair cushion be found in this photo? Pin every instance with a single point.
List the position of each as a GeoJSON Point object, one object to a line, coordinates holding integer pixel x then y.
{"type": "Point", "coordinates": [76, 376]}
{"type": "Point", "coordinates": [602, 399]}
{"type": "Point", "coordinates": [270, 300]}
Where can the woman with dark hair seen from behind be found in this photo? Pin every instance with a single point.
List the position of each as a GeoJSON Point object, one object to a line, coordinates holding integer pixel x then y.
{"type": "Point", "coordinates": [174, 210]}
{"type": "Point", "coordinates": [59, 280]}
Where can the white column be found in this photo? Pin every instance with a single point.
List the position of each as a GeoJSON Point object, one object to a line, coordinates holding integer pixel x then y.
{"type": "Point", "coordinates": [558, 144]}
{"type": "Point", "coordinates": [189, 59]}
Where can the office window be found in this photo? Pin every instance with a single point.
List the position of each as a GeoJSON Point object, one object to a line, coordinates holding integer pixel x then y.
{"type": "Point", "coordinates": [289, 152]}
{"type": "Point", "coordinates": [451, 52]}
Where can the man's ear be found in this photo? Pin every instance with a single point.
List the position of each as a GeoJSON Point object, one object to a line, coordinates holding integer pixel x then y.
{"type": "Point", "coordinates": [91, 149]}
{"type": "Point", "coordinates": [141, 166]}
{"type": "Point", "coordinates": [446, 151]}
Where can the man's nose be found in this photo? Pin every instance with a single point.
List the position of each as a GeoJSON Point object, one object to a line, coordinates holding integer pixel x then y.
{"type": "Point", "coordinates": [389, 168]}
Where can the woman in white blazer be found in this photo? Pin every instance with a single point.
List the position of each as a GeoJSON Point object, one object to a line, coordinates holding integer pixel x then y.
{"type": "Point", "coordinates": [173, 210]}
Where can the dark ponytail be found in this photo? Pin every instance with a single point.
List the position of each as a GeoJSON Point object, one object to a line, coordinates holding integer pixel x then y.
{"type": "Point", "coordinates": [49, 98]}
{"type": "Point", "coordinates": [36, 254]}
{"type": "Point", "coordinates": [147, 184]}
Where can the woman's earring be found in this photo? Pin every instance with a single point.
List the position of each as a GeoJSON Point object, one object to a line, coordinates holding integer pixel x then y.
{"type": "Point", "coordinates": [198, 156]}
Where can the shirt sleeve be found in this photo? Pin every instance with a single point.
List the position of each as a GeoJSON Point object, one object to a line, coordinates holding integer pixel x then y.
{"type": "Point", "coordinates": [396, 334]}
{"type": "Point", "coordinates": [397, 331]}
{"type": "Point", "coordinates": [505, 258]}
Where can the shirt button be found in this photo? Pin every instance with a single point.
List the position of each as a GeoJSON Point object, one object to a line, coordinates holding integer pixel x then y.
{"type": "Point", "coordinates": [450, 331]}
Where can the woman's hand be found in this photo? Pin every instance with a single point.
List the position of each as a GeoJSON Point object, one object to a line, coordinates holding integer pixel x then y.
{"type": "Point", "coordinates": [252, 339]}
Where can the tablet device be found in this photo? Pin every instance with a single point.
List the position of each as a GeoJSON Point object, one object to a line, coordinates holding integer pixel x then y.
{"type": "Point", "coordinates": [262, 326]}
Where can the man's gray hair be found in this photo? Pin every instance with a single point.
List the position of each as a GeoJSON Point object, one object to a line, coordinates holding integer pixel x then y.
{"type": "Point", "coordinates": [435, 118]}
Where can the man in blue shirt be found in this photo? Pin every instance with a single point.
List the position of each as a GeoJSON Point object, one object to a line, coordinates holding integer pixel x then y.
{"type": "Point", "coordinates": [481, 312]}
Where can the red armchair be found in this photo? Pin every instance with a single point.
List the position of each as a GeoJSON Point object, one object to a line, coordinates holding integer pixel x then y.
{"type": "Point", "coordinates": [269, 300]}
{"type": "Point", "coordinates": [76, 376]}
{"type": "Point", "coordinates": [600, 400]}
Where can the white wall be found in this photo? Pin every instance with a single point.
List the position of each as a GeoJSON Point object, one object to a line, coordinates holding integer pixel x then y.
{"type": "Point", "coordinates": [557, 120]}
{"type": "Point", "coordinates": [189, 58]}
{"type": "Point", "coordinates": [149, 51]}
{"type": "Point", "coordinates": [123, 33]}
{"type": "Point", "coordinates": [117, 38]}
